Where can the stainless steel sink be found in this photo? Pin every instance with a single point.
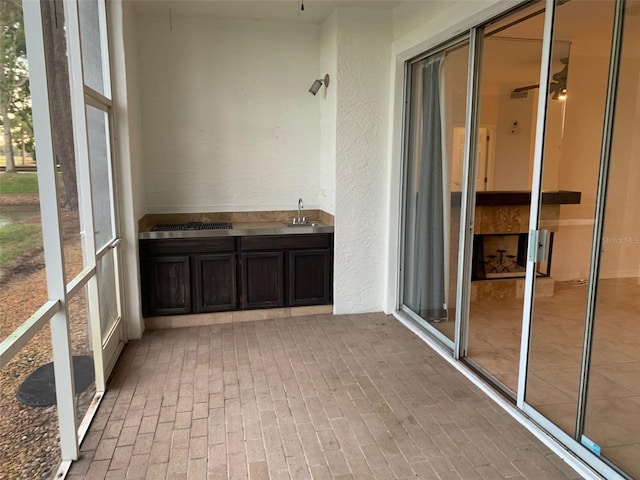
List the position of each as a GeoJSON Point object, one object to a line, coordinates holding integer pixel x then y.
{"type": "Point", "coordinates": [306, 224]}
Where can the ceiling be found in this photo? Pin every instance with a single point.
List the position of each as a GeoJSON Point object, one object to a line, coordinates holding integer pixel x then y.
{"type": "Point", "coordinates": [315, 11]}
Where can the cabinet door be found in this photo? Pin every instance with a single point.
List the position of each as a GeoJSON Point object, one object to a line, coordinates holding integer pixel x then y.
{"type": "Point", "coordinates": [262, 280]}
{"type": "Point", "coordinates": [215, 283]}
{"type": "Point", "coordinates": [309, 277]}
{"type": "Point", "coordinates": [168, 285]}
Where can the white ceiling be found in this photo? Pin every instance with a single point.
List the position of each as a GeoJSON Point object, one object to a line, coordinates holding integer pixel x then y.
{"type": "Point", "coordinates": [315, 11]}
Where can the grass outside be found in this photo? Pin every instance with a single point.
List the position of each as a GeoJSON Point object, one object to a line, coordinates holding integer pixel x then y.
{"type": "Point", "coordinates": [17, 239]}
{"type": "Point", "coordinates": [23, 182]}
{"type": "Point", "coordinates": [17, 159]}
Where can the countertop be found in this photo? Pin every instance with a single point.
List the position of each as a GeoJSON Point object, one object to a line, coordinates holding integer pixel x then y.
{"type": "Point", "coordinates": [243, 223]}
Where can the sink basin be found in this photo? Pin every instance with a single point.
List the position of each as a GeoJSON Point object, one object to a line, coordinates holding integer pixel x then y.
{"type": "Point", "coordinates": [307, 224]}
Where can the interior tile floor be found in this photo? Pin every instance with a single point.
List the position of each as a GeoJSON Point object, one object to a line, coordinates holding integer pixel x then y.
{"type": "Point", "coordinates": [613, 400]}
{"type": "Point", "coordinates": [322, 397]}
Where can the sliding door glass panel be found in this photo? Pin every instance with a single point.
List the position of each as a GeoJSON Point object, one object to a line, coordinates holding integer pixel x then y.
{"type": "Point", "coordinates": [571, 162]}
{"type": "Point", "coordinates": [510, 74]}
{"type": "Point", "coordinates": [100, 161]}
{"type": "Point", "coordinates": [434, 165]}
{"type": "Point", "coordinates": [612, 419]}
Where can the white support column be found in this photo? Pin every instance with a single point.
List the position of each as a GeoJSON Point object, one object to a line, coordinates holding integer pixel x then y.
{"type": "Point", "coordinates": [53, 250]}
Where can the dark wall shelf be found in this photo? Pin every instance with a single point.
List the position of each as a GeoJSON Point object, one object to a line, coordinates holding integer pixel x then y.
{"type": "Point", "coordinates": [520, 197]}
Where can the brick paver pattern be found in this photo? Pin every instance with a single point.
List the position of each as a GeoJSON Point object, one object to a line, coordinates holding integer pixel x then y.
{"type": "Point", "coordinates": [322, 397]}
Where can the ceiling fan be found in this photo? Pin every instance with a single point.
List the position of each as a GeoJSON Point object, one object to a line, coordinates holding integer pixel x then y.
{"type": "Point", "coordinates": [558, 87]}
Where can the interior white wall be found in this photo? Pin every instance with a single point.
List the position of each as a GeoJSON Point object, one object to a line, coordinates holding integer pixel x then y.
{"type": "Point", "coordinates": [328, 111]}
{"type": "Point", "coordinates": [130, 173]}
{"type": "Point", "coordinates": [580, 155]}
{"type": "Point", "coordinates": [228, 123]}
{"type": "Point", "coordinates": [621, 242]}
{"type": "Point", "coordinates": [512, 157]}
{"type": "Point", "coordinates": [364, 41]}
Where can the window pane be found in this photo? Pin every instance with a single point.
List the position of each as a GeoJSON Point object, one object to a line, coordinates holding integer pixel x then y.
{"type": "Point", "coordinates": [434, 178]}
{"type": "Point", "coordinates": [571, 162]}
{"type": "Point", "coordinates": [107, 288]}
{"type": "Point", "coordinates": [81, 349]}
{"type": "Point", "coordinates": [510, 73]}
{"type": "Point", "coordinates": [613, 396]}
{"type": "Point", "coordinates": [91, 44]}
{"type": "Point", "coordinates": [100, 161]}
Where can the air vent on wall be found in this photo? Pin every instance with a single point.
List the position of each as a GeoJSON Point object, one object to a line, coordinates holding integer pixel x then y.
{"type": "Point", "coordinates": [521, 94]}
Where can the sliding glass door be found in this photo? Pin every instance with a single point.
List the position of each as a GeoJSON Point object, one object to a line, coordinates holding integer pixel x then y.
{"type": "Point", "coordinates": [437, 87]}
{"type": "Point", "coordinates": [509, 73]}
{"type": "Point", "coordinates": [612, 387]}
{"type": "Point", "coordinates": [570, 165]}
{"type": "Point", "coordinates": [580, 365]}
{"type": "Point", "coordinates": [541, 296]}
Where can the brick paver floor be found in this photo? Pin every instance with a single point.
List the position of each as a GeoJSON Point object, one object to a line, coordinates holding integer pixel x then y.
{"type": "Point", "coordinates": [322, 397]}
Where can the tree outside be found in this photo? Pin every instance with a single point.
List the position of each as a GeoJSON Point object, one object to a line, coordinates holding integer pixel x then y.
{"type": "Point", "coordinates": [15, 103]}
{"type": "Point", "coordinates": [15, 98]}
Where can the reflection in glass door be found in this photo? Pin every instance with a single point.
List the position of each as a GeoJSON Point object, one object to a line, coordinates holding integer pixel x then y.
{"type": "Point", "coordinates": [571, 162]}
{"type": "Point", "coordinates": [437, 106]}
{"type": "Point", "coordinates": [612, 397]}
{"type": "Point", "coordinates": [583, 364]}
{"type": "Point", "coordinates": [510, 72]}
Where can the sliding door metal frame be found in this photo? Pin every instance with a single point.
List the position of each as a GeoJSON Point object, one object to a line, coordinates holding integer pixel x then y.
{"type": "Point", "coordinates": [603, 469]}
{"type": "Point", "coordinates": [439, 336]}
{"type": "Point", "coordinates": [601, 201]}
{"type": "Point", "coordinates": [406, 115]}
{"type": "Point", "coordinates": [536, 195]}
{"type": "Point", "coordinates": [467, 199]}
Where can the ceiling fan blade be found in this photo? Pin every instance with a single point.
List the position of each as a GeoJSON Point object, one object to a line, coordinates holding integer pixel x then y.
{"type": "Point", "coordinates": [528, 87]}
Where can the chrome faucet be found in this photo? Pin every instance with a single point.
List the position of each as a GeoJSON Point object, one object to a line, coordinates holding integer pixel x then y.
{"type": "Point", "coordinates": [300, 219]}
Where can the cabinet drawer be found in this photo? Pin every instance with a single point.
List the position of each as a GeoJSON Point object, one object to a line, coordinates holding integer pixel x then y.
{"type": "Point", "coordinates": [188, 245]}
{"type": "Point", "coordinates": [285, 242]}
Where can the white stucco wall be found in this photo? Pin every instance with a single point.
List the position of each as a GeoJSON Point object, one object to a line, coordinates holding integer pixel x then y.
{"type": "Point", "coordinates": [364, 41]}
{"type": "Point", "coordinates": [130, 173]}
{"type": "Point", "coordinates": [228, 123]}
{"type": "Point", "coordinates": [328, 111]}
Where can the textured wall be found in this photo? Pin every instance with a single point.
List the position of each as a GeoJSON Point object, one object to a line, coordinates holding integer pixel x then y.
{"type": "Point", "coordinates": [364, 41]}
{"type": "Point", "coordinates": [228, 123]}
{"type": "Point", "coordinates": [127, 128]}
{"type": "Point", "coordinates": [328, 106]}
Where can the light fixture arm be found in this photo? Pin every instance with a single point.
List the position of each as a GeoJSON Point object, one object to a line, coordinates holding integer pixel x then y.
{"type": "Point", "coordinates": [315, 88]}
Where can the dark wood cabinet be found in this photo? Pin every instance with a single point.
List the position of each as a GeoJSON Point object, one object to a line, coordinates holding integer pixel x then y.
{"type": "Point", "coordinates": [215, 282]}
{"type": "Point", "coordinates": [310, 281]}
{"type": "Point", "coordinates": [262, 280]}
{"type": "Point", "coordinates": [168, 285]}
{"type": "Point", "coordinates": [197, 275]}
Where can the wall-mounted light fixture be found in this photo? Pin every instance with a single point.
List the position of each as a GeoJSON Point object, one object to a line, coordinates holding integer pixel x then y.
{"type": "Point", "coordinates": [318, 83]}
